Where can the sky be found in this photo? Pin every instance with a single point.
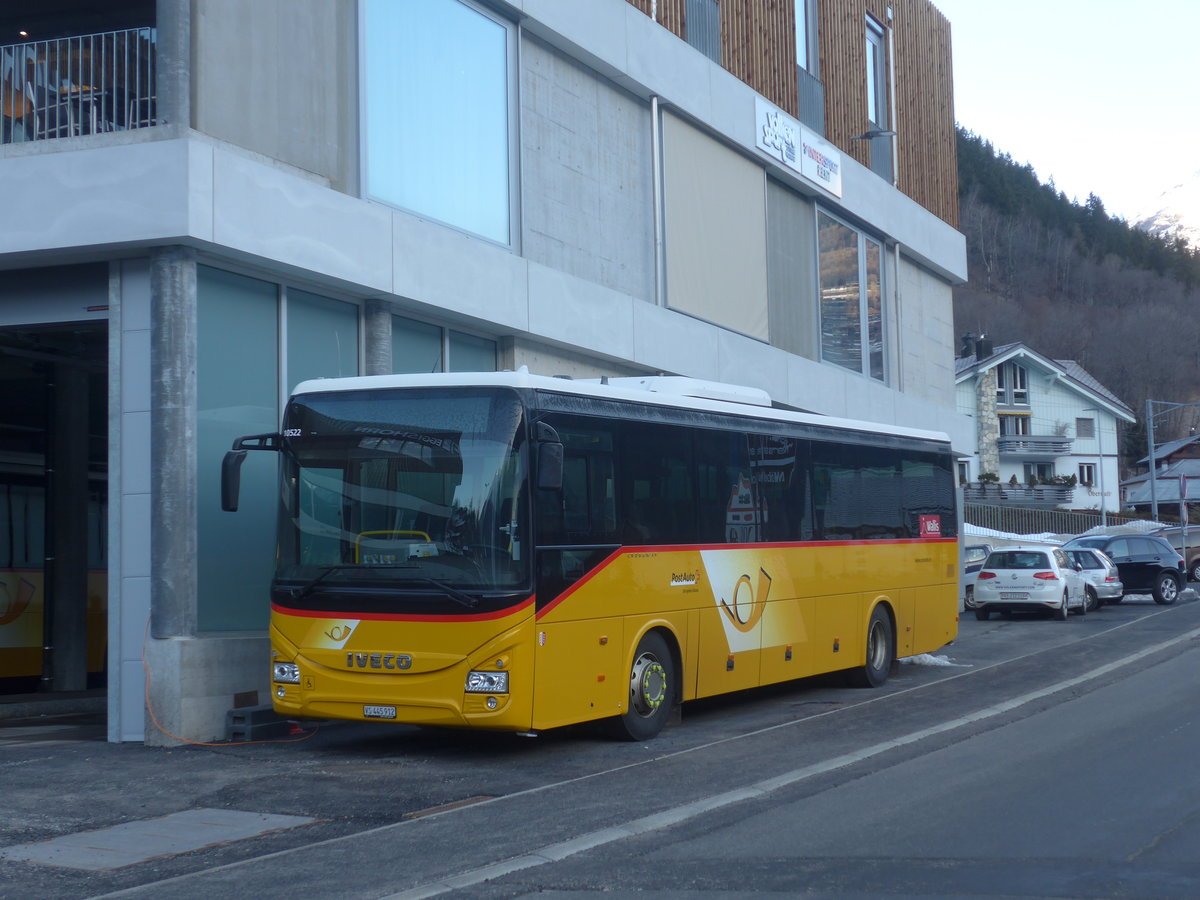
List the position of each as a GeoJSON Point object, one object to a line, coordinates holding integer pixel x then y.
{"type": "Point", "coordinates": [1099, 95]}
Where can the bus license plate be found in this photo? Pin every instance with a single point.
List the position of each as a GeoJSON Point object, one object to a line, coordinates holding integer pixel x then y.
{"type": "Point", "coordinates": [379, 712]}
{"type": "Point", "coordinates": [1014, 596]}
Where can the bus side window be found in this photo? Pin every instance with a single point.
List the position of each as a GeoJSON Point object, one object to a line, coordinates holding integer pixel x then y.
{"type": "Point", "coordinates": [584, 511]}
{"type": "Point", "coordinates": [657, 500]}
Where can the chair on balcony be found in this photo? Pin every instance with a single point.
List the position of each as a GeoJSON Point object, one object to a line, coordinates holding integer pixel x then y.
{"type": "Point", "coordinates": [53, 112]}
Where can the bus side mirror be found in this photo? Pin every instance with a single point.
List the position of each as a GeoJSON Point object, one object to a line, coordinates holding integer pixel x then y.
{"type": "Point", "coordinates": [231, 479]}
{"type": "Point", "coordinates": [550, 466]}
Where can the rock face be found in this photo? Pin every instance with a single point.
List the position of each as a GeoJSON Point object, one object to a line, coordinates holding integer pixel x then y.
{"type": "Point", "coordinates": [1176, 214]}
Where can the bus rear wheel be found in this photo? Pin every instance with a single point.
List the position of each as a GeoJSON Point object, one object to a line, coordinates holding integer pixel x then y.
{"type": "Point", "coordinates": [652, 693]}
{"type": "Point", "coordinates": [881, 652]}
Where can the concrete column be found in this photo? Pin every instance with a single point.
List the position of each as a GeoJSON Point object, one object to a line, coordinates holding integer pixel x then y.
{"type": "Point", "coordinates": [173, 56]}
{"type": "Point", "coordinates": [989, 423]}
{"type": "Point", "coordinates": [377, 337]}
{"type": "Point", "coordinates": [67, 507]}
{"type": "Point", "coordinates": [173, 581]}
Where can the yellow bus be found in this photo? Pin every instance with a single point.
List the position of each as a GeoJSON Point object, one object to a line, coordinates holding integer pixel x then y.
{"type": "Point", "coordinates": [519, 552]}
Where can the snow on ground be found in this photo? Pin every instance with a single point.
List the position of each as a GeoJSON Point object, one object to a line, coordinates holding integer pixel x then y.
{"type": "Point", "coordinates": [928, 659]}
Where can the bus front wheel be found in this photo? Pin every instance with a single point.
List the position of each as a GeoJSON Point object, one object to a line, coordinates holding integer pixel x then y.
{"type": "Point", "coordinates": [881, 652]}
{"type": "Point", "coordinates": [651, 691]}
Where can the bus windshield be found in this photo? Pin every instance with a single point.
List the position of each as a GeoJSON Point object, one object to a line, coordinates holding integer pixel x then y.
{"type": "Point", "coordinates": [421, 490]}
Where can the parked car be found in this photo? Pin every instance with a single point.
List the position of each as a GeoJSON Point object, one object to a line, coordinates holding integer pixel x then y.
{"type": "Point", "coordinates": [1147, 564]}
{"type": "Point", "coordinates": [1187, 546]}
{"type": "Point", "coordinates": [1028, 578]}
{"type": "Point", "coordinates": [973, 556]}
{"type": "Point", "coordinates": [1101, 574]}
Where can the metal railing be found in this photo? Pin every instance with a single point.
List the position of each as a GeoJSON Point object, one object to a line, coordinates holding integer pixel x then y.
{"type": "Point", "coordinates": [1023, 521]}
{"type": "Point", "coordinates": [87, 84]}
{"type": "Point", "coordinates": [1030, 445]}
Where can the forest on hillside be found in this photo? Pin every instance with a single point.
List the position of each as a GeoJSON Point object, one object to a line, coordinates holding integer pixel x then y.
{"type": "Point", "coordinates": [1072, 282]}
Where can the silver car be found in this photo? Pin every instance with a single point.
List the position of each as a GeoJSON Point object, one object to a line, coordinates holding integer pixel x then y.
{"type": "Point", "coordinates": [1103, 580]}
{"type": "Point", "coordinates": [1026, 579]}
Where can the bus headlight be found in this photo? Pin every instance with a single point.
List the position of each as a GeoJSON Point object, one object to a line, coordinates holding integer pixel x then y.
{"type": "Point", "coordinates": [487, 683]}
{"type": "Point", "coordinates": [285, 673]}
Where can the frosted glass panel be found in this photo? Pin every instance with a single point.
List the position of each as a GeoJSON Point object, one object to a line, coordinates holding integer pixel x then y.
{"type": "Point", "coordinates": [237, 394]}
{"type": "Point", "coordinates": [437, 82]}
{"type": "Point", "coordinates": [471, 354]}
{"type": "Point", "coordinates": [416, 347]}
{"type": "Point", "coordinates": [322, 338]}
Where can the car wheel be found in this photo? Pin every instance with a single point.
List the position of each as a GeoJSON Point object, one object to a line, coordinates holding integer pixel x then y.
{"type": "Point", "coordinates": [1084, 601]}
{"type": "Point", "coordinates": [1063, 611]}
{"type": "Point", "coordinates": [1166, 588]}
{"type": "Point", "coordinates": [1194, 572]}
{"type": "Point", "coordinates": [881, 650]}
{"type": "Point", "coordinates": [651, 691]}
{"type": "Point", "coordinates": [1093, 601]}
{"type": "Point", "coordinates": [969, 594]}
{"type": "Point", "coordinates": [982, 613]}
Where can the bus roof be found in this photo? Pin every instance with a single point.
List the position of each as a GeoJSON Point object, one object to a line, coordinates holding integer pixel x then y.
{"type": "Point", "coordinates": [672, 391]}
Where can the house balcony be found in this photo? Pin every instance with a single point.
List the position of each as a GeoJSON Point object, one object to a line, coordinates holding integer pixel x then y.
{"type": "Point", "coordinates": [80, 85]}
{"type": "Point", "coordinates": [1041, 496]}
{"type": "Point", "coordinates": [1029, 446]}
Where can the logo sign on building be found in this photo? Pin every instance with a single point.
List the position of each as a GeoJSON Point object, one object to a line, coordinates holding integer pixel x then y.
{"type": "Point", "coordinates": [782, 137]}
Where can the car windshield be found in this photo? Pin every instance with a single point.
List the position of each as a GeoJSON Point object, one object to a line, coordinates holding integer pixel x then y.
{"type": "Point", "coordinates": [420, 489]}
{"type": "Point", "coordinates": [1018, 559]}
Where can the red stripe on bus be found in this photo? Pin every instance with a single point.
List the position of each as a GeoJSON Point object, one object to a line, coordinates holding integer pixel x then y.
{"type": "Point", "coordinates": [404, 617]}
{"type": "Point", "coordinates": [691, 548]}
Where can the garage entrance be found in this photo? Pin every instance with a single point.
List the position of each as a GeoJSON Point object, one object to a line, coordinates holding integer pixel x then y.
{"type": "Point", "coordinates": [53, 507]}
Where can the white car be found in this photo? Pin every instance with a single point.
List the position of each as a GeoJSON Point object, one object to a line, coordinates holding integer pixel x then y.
{"type": "Point", "coordinates": [1103, 580]}
{"type": "Point", "coordinates": [1029, 578]}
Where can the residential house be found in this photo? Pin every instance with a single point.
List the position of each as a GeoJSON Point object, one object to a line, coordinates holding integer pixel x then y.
{"type": "Point", "coordinates": [1046, 429]}
{"type": "Point", "coordinates": [208, 201]}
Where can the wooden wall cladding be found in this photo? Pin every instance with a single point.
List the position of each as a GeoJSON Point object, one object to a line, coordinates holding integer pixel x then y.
{"type": "Point", "coordinates": [758, 46]}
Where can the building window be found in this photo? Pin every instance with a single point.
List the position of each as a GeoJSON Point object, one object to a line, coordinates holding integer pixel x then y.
{"type": "Point", "coordinates": [418, 347]}
{"type": "Point", "coordinates": [1014, 425]}
{"type": "Point", "coordinates": [1087, 474]}
{"type": "Point", "coordinates": [439, 84]}
{"type": "Point", "coordinates": [1012, 385]}
{"type": "Point", "coordinates": [964, 472]}
{"type": "Point", "coordinates": [703, 26]}
{"type": "Point", "coordinates": [877, 105]}
{"type": "Point", "coordinates": [851, 277]}
{"type": "Point", "coordinates": [1035, 472]}
{"type": "Point", "coordinates": [1085, 428]}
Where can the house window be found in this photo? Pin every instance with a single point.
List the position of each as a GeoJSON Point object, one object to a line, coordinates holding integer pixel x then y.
{"type": "Point", "coordinates": [1012, 385]}
{"type": "Point", "coordinates": [438, 84]}
{"type": "Point", "coordinates": [1035, 472]}
{"type": "Point", "coordinates": [1087, 474]}
{"type": "Point", "coordinates": [1013, 425]}
{"type": "Point", "coordinates": [851, 273]}
{"type": "Point", "coordinates": [1085, 428]}
{"type": "Point", "coordinates": [703, 26]}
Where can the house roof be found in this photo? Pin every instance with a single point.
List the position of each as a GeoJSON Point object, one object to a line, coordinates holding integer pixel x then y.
{"type": "Point", "coordinates": [1071, 371]}
{"type": "Point", "coordinates": [1164, 450]}
{"type": "Point", "coordinates": [1166, 487]}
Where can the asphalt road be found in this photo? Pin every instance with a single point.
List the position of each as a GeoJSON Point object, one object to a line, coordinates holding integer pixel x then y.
{"type": "Point", "coordinates": [1032, 758]}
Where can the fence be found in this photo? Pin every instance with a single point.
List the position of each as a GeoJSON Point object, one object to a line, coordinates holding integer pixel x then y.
{"type": "Point", "coordinates": [78, 85]}
{"type": "Point", "coordinates": [1017, 520]}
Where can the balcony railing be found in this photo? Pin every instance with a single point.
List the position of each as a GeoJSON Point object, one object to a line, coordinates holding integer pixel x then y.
{"type": "Point", "coordinates": [1029, 445]}
{"type": "Point", "coordinates": [1039, 496]}
{"type": "Point", "coordinates": [88, 84]}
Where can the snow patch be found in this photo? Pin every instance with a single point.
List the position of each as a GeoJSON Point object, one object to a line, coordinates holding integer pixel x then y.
{"type": "Point", "coordinates": [928, 659]}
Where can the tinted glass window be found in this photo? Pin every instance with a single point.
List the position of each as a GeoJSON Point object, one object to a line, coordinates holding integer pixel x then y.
{"type": "Point", "coordinates": [726, 506]}
{"type": "Point", "coordinates": [584, 511]}
{"type": "Point", "coordinates": [1119, 547]}
{"type": "Point", "coordinates": [655, 492]}
{"type": "Point", "coordinates": [1018, 559]}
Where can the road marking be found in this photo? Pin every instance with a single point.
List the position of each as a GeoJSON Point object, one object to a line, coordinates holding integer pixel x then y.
{"type": "Point", "coordinates": [676, 815]}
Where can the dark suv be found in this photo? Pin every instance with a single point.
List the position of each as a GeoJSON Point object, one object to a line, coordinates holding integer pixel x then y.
{"type": "Point", "coordinates": [1147, 564]}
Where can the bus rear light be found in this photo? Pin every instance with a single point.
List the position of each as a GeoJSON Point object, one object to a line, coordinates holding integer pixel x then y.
{"type": "Point", "coordinates": [487, 683]}
{"type": "Point", "coordinates": [285, 673]}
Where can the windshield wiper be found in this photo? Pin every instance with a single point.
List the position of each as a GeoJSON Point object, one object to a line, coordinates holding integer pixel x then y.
{"type": "Point", "coordinates": [329, 570]}
{"type": "Point", "coordinates": [452, 592]}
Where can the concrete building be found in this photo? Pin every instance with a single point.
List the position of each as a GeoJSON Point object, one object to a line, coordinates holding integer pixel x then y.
{"type": "Point", "coordinates": [208, 201]}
